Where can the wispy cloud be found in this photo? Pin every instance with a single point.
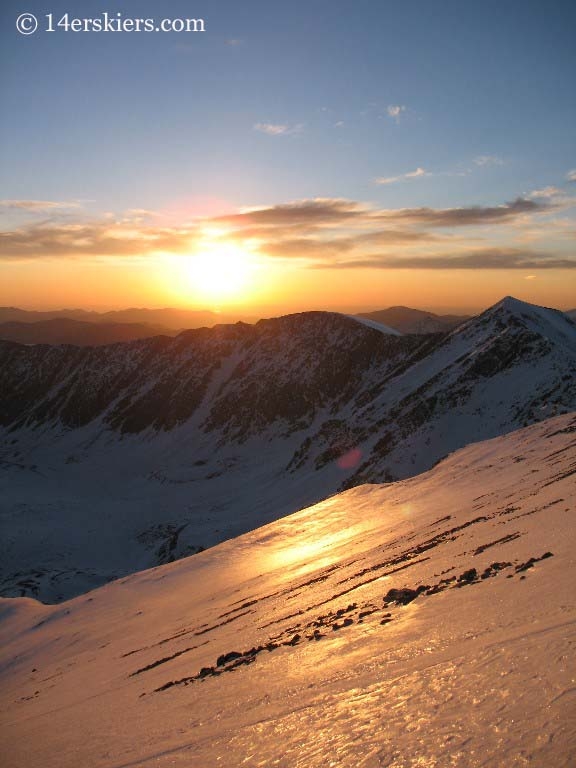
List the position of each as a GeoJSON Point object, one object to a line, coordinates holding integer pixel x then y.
{"type": "Point", "coordinates": [37, 206]}
{"type": "Point", "coordinates": [96, 238]}
{"type": "Point", "coordinates": [321, 232]}
{"type": "Point", "coordinates": [489, 258]}
{"type": "Point", "coordinates": [417, 174]}
{"type": "Point", "coordinates": [487, 160]}
{"type": "Point", "coordinates": [571, 175]}
{"type": "Point", "coordinates": [466, 216]}
{"type": "Point", "coordinates": [309, 247]}
{"type": "Point", "coordinates": [278, 129]}
{"type": "Point", "coordinates": [395, 111]}
{"type": "Point", "coordinates": [545, 193]}
{"type": "Point", "coordinates": [302, 213]}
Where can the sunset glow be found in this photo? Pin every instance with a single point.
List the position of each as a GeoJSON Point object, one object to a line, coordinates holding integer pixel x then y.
{"type": "Point", "coordinates": [283, 183]}
{"type": "Point", "coordinates": [221, 271]}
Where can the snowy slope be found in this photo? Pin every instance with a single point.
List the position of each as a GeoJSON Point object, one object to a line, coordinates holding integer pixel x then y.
{"type": "Point", "coordinates": [429, 622]}
{"type": "Point", "coordinates": [119, 458]}
{"type": "Point", "coordinates": [511, 366]}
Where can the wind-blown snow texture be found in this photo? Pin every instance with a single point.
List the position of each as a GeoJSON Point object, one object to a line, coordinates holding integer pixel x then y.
{"type": "Point", "coordinates": [429, 622]}
{"type": "Point", "coordinates": [119, 458]}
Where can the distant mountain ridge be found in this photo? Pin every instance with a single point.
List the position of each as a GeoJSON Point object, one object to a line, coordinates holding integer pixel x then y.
{"type": "Point", "coordinates": [407, 320]}
{"type": "Point", "coordinates": [169, 318]}
{"type": "Point", "coordinates": [173, 444]}
{"type": "Point", "coordinates": [43, 328]}
{"type": "Point", "coordinates": [64, 330]}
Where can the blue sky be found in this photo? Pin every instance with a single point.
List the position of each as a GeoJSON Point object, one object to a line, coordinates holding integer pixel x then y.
{"type": "Point", "coordinates": [400, 105]}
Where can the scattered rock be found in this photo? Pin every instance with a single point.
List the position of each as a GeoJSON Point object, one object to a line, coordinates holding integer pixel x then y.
{"type": "Point", "coordinates": [345, 623]}
{"type": "Point", "coordinates": [468, 576]}
{"type": "Point", "coordinates": [401, 596]}
{"type": "Point", "coordinates": [226, 657]}
{"type": "Point", "coordinates": [205, 671]}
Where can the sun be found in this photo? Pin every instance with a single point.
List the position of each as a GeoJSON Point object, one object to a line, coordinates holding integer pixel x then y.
{"type": "Point", "coordinates": [221, 271]}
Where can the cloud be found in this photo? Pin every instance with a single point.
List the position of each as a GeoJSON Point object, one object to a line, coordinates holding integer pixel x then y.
{"type": "Point", "coordinates": [317, 212]}
{"type": "Point", "coordinates": [465, 216]}
{"type": "Point", "coordinates": [395, 111]}
{"type": "Point", "coordinates": [571, 175]}
{"type": "Point", "coordinates": [36, 206]}
{"type": "Point", "coordinates": [311, 248]}
{"type": "Point", "coordinates": [417, 174]}
{"type": "Point", "coordinates": [137, 215]}
{"type": "Point", "coordinates": [318, 232]}
{"type": "Point", "coordinates": [487, 160]}
{"type": "Point", "coordinates": [488, 258]}
{"type": "Point", "coordinates": [278, 129]}
{"type": "Point", "coordinates": [545, 193]}
{"type": "Point", "coordinates": [97, 238]}
{"type": "Point", "coordinates": [308, 248]}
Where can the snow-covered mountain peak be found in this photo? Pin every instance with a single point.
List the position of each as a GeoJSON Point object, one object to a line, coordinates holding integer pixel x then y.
{"type": "Point", "coordinates": [512, 316]}
{"type": "Point", "coordinates": [551, 324]}
{"type": "Point", "coordinates": [512, 304]}
{"type": "Point", "coordinates": [516, 308]}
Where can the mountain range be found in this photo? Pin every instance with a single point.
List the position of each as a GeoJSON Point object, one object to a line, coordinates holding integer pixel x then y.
{"type": "Point", "coordinates": [169, 318]}
{"type": "Point", "coordinates": [83, 328]}
{"type": "Point", "coordinates": [428, 622]}
{"type": "Point", "coordinates": [118, 458]}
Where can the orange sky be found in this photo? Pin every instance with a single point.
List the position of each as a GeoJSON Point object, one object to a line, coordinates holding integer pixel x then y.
{"type": "Point", "coordinates": [311, 254]}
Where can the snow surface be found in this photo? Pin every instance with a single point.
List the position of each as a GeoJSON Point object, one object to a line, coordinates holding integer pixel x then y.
{"type": "Point", "coordinates": [330, 667]}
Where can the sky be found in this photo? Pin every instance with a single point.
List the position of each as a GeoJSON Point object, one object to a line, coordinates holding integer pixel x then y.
{"type": "Point", "coordinates": [303, 155]}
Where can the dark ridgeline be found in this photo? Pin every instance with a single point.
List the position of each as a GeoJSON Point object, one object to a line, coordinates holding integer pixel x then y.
{"type": "Point", "coordinates": [407, 320]}
{"type": "Point", "coordinates": [356, 384]}
{"type": "Point", "coordinates": [284, 368]}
